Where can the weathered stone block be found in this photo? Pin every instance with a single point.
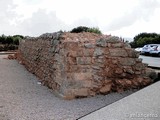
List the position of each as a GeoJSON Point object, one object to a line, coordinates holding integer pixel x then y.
{"type": "Point", "coordinates": [139, 60]}
{"type": "Point", "coordinates": [98, 52]}
{"type": "Point", "coordinates": [82, 76]}
{"type": "Point", "coordinates": [89, 45]}
{"type": "Point", "coordinates": [96, 67]}
{"type": "Point", "coordinates": [88, 52]}
{"type": "Point", "coordinates": [112, 39]}
{"type": "Point", "coordinates": [101, 42]}
{"type": "Point", "coordinates": [105, 89]}
{"type": "Point", "coordinates": [127, 61]}
{"type": "Point", "coordinates": [118, 71]}
{"type": "Point", "coordinates": [117, 52]}
{"type": "Point", "coordinates": [118, 45]}
{"type": "Point", "coordinates": [84, 60]}
{"type": "Point", "coordinates": [151, 73]}
{"type": "Point", "coordinates": [82, 92]}
{"type": "Point", "coordinates": [139, 67]}
{"type": "Point", "coordinates": [97, 77]}
{"type": "Point", "coordinates": [80, 52]}
{"type": "Point", "coordinates": [129, 71]}
{"type": "Point", "coordinates": [71, 46]}
{"type": "Point", "coordinates": [71, 60]}
{"type": "Point", "coordinates": [132, 53]}
{"type": "Point", "coordinates": [73, 54]}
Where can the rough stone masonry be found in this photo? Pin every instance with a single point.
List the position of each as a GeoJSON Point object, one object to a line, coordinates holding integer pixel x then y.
{"type": "Point", "coordinates": [83, 64]}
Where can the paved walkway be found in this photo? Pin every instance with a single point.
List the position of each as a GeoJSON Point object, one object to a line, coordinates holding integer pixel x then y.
{"type": "Point", "coordinates": [142, 105]}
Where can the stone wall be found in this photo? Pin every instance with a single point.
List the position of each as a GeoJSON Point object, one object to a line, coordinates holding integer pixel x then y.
{"type": "Point", "coordinates": [83, 64]}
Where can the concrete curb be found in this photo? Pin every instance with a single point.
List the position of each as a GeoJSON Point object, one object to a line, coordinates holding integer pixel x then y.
{"type": "Point", "coordinates": [154, 67]}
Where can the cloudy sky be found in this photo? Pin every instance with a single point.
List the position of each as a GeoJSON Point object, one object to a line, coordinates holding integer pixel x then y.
{"type": "Point", "coordinates": [125, 18]}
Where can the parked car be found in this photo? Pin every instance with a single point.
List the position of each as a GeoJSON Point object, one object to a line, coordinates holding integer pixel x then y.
{"type": "Point", "coordinates": [147, 48]}
{"type": "Point", "coordinates": [138, 49]}
{"type": "Point", "coordinates": [155, 50]}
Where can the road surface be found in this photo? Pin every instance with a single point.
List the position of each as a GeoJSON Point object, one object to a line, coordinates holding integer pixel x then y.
{"type": "Point", "coordinates": [151, 61]}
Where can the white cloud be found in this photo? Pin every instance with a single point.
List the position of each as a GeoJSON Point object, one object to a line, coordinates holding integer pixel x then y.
{"type": "Point", "coordinates": [41, 22]}
{"type": "Point", "coordinates": [142, 12]}
{"type": "Point", "coordinates": [118, 17]}
{"type": "Point", "coordinates": [7, 15]}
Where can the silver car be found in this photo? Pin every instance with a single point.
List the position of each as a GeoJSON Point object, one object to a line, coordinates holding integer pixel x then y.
{"type": "Point", "coordinates": [155, 50]}
{"type": "Point", "coordinates": [147, 48]}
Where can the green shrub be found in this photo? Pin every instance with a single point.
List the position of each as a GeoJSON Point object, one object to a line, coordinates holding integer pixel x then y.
{"type": "Point", "coordinates": [86, 29]}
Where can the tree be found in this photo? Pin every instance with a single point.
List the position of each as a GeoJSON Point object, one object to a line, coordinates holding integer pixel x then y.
{"type": "Point", "coordinates": [20, 36]}
{"type": "Point", "coordinates": [17, 38]}
{"type": "Point", "coordinates": [145, 38]}
{"type": "Point", "coordinates": [3, 39]}
{"type": "Point", "coordinates": [9, 40]}
{"type": "Point", "coordinates": [85, 29]}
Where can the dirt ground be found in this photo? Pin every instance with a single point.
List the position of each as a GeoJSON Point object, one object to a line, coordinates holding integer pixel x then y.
{"type": "Point", "coordinates": [23, 98]}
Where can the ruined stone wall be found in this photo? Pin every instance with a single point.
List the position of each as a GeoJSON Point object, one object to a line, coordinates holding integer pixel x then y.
{"type": "Point", "coordinates": [83, 64]}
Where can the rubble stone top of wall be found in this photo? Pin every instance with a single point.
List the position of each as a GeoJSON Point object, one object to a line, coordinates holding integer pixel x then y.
{"type": "Point", "coordinates": [84, 37]}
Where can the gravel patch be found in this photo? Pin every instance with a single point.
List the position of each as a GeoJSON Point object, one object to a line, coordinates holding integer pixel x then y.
{"type": "Point", "coordinates": [23, 98]}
